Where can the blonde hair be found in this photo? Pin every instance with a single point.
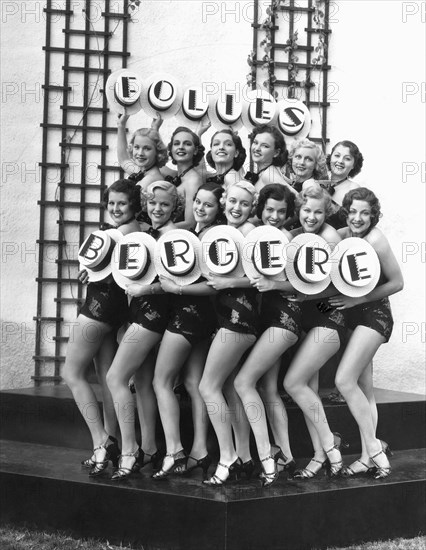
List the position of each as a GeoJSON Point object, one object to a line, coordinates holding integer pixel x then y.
{"type": "Point", "coordinates": [320, 170]}
{"type": "Point", "coordinates": [247, 186]}
{"type": "Point", "coordinates": [315, 191]}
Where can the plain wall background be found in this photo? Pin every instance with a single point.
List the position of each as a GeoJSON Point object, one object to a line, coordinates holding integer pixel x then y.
{"type": "Point", "coordinates": [377, 57]}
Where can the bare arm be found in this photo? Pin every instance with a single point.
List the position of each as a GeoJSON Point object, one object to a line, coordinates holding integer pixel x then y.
{"type": "Point", "coordinates": [390, 270]}
{"type": "Point", "coordinates": [191, 186]}
{"type": "Point", "coordinates": [124, 158]}
{"type": "Point", "coordinates": [196, 289]}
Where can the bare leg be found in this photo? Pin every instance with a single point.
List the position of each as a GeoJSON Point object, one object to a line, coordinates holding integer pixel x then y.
{"type": "Point", "coordinates": [263, 361]}
{"type": "Point", "coordinates": [193, 372]}
{"type": "Point", "coordinates": [133, 349]}
{"type": "Point", "coordinates": [359, 352]}
{"type": "Point", "coordinates": [146, 403]}
{"type": "Point", "coordinates": [174, 350]}
{"type": "Point", "coordinates": [225, 352]}
{"type": "Point", "coordinates": [86, 341]}
{"type": "Point", "coordinates": [239, 422]}
{"type": "Point", "coordinates": [103, 361]}
{"type": "Point", "coordinates": [319, 345]}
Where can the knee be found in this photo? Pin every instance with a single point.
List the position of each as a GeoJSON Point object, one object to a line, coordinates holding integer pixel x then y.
{"type": "Point", "coordinates": [205, 390]}
{"type": "Point", "coordinates": [192, 385]}
{"type": "Point", "coordinates": [240, 385]}
{"type": "Point", "coordinates": [291, 385]}
{"type": "Point", "coordinates": [157, 384]}
{"type": "Point", "coordinates": [112, 380]}
{"type": "Point", "coordinates": [344, 384]}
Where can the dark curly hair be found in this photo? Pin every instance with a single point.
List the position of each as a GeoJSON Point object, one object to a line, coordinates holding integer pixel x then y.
{"type": "Point", "coordinates": [217, 191]}
{"type": "Point", "coordinates": [196, 140]}
{"type": "Point", "coordinates": [362, 194]}
{"type": "Point", "coordinates": [355, 152]}
{"type": "Point", "coordinates": [242, 154]}
{"type": "Point", "coordinates": [128, 187]}
{"type": "Point", "coordinates": [277, 192]}
{"type": "Point", "coordinates": [282, 157]}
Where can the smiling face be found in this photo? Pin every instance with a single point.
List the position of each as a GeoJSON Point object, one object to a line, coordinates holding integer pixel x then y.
{"type": "Point", "coordinates": [274, 213]}
{"type": "Point", "coordinates": [312, 215]}
{"type": "Point", "coordinates": [160, 207]}
{"type": "Point", "coordinates": [238, 206]}
{"type": "Point", "coordinates": [119, 208]}
{"type": "Point", "coordinates": [303, 163]}
{"type": "Point", "coordinates": [183, 148]}
{"type": "Point", "coordinates": [144, 152]}
{"type": "Point", "coordinates": [359, 218]}
{"type": "Point", "coordinates": [341, 162]}
{"type": "Point", "coordinates": [223, 149]}
{"type": "Point", "coordinates": [205, 207]}
{"type": "Point", "coordinates": [263, 150]}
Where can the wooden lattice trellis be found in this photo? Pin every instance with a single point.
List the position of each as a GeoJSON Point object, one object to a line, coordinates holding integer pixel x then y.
{"type": "Point", "coordinates": [75, 160]}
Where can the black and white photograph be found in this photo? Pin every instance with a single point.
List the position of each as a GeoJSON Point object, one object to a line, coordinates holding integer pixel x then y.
{"type": "Point", "coordinates": [213, 275]}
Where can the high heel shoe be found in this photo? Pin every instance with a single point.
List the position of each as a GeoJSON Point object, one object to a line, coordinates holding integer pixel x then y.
{"type": "Point", "coordinates": [354, 471]}
{"type": "Point", "coordinates": [247, 468]}
{"type": "Point", "coordinates": [179, 459]}
{"type": "Point", "coordinates": [89, 462]}
{"type": "Point", "coordinates": [202, 463]}
{"type": "Point", "coordinates": [155, 459]}
{"type": "Point", "coordinates": [285, 465]}
{"type": "Point", "coordinates": [385, 448]}
{"type": "Point", "coordinates": [334, 468]}
{"type": "Point", "coordinates": [112, 452]}
{"type": "Point", "coordinates": [381, 471]}
{"type": "Point", "coordinates": [309, 472]}
{"type": "Point", "coordinates": [234, 471]}
{"type": "Point", "coordinates": [268, 478]}
{"type": "Point", "coordinates": [124, 472]}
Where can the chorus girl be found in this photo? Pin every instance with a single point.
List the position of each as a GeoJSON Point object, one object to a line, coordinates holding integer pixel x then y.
{"type": "Point", "coordinates": [237, 317]}
{"type": "Point", "coordinates": [370, 320]}
{"type": "Point", "coordinates": [184, 346]}
{"type": "Point", "coordinates": [186, 151]}
{"type": "Point", "coordinates": [227, 156]}
{"type": "Point", "coordinates": [256, 382]}
{"type": "Point", "coordinates": [143, 157]}
{"type": "Point", "coordinates": [323, 336]}
{"type": "Point", "coordinates": [148, 318]}
{"type": "Point", "coordinates": [104, 310]}
{"type": "Point", "coordinates": [269, 153]}
{"type": "Point", "coordinates": [344, 162]}
{"type": "Point", "coordinates": [306, 161]}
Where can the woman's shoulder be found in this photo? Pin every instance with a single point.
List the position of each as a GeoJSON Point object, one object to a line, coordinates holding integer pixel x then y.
{"type": "Point", "coordinates": [131, 227]}
{"type": "Point", "coordinates": [330, 234]}
{"type": "Point", "coordinates": [246, 228]}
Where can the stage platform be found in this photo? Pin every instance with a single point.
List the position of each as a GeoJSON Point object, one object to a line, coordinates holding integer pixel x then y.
{"type": "Point", "coordinates": [44, 485]}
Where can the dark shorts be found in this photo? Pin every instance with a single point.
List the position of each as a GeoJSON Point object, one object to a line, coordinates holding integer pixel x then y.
{"type": "Point", "coordinates": [375, 315]}
{"type": "Point", "coordinates": [277, 311]}
{"type": "Point", "coordinates": [151, 312]}
{"type": "Point", "coordinates": [236, 310]}
{"type": "Point", "coordinates": [106, 303]}
{"type": "Point", "coordinates": [319, 315]}
{"type": "Point", "coordinates": [192, 317]}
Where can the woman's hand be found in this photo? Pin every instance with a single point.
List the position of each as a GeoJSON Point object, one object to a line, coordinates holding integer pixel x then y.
{"type": "Point", "coordinates": [122, 119]}
{"type": "Point", "coordinates": [168, 285]}
{"type": "Point", "coordinates": [83, 276]}
{"type": "Point", "coordinates": [203, 126]}
{"type": "Point", "coordinates": [156, 122]}
{"type": "Point", "coordinates": [262, 284]}
{"type": "Point", "coordinates": [135, 290]}
{"type": "Point", "coordinates": [344, 302]}
{"type": "Point", "coordinates": [217, 282]}
{"type": "Point", "coordinates": [296, 297]}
